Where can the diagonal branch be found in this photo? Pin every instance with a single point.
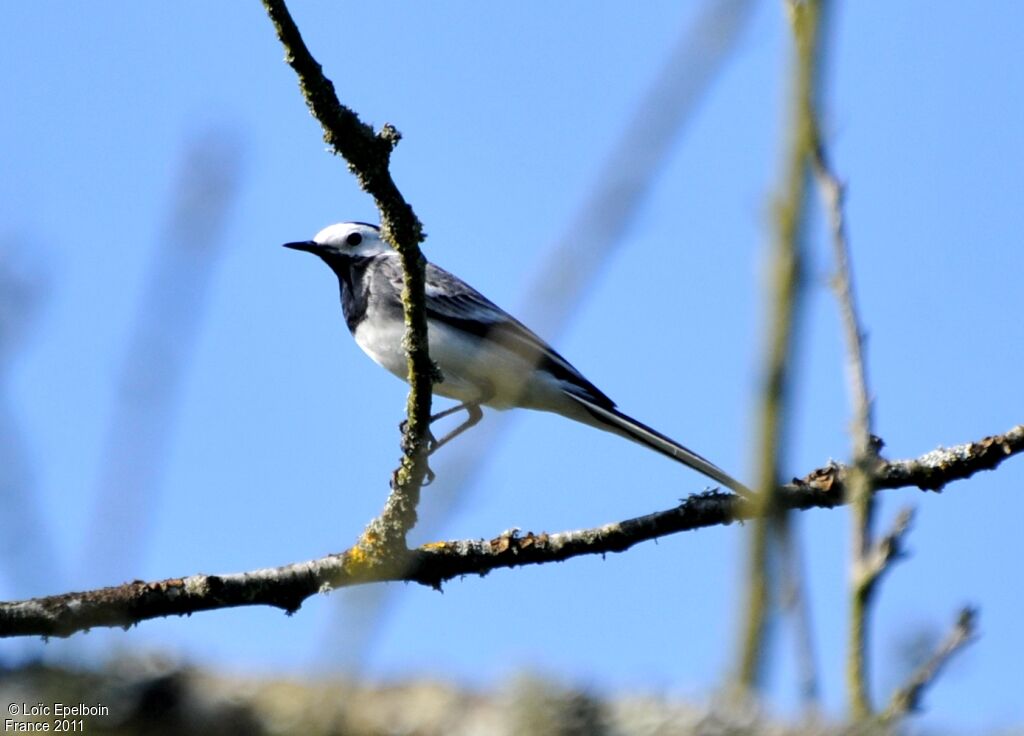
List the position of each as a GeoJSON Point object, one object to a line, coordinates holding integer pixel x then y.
{"type": "Point", "coordinates": [288, 586]}
{"type": "Point", "coordinates": [881, 556]}
{"type": "Point", "coordinates": [369, 155]}
{"type": "Point", "coordinates": [908, 698]}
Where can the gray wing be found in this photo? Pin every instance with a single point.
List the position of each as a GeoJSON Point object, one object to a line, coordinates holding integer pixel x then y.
{"type": "Point", "coordinates": [454, 302]}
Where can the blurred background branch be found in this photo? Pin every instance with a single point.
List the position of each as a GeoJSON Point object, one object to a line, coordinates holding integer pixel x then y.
{"type": "Point", "coordinates": [907, 699]}
{"type": "Point", "coordinates": [156, 359]}
{"type": "Point", "coordinates": [785, 276]}
{"type": "Point", "coordinates": [27, 555]}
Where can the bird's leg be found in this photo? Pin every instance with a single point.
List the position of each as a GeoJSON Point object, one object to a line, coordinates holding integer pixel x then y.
{"type": "Point", "coordinates": [473, 416]}
{"type": "Point", "coordinates": [434, 417]}
{"type": "Point", "coordinates": [451, 410]}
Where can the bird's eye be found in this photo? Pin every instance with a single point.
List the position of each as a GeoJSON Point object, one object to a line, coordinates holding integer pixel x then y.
{"type": "Point", "coordinates": [354, 239]}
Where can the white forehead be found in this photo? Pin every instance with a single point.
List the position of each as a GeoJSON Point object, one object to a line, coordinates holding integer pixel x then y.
{"type": "Point", "coordinates": [337, 234]}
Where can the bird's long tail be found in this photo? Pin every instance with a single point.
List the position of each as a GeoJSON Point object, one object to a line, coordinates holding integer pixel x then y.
{"type": "Point", "coordinates": [613, 420]}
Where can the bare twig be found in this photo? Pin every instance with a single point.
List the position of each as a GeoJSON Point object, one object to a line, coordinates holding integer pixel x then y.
{"type": "Point", "coordinates": [369, 155]}
{"type": "Point", "coordinates": [785, 287]}
{"type": "Point", "coordinates": [863, 578]}
{"type": "Point", "coordinates": [907, 699]}
{"type": "Point", "coordinates": [888, 550]}
{"type": "Point", "coordinates": [432, 564]}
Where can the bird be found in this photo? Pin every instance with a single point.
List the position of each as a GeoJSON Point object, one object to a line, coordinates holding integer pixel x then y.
{"type": "Point", "coordinates": [486, 356]}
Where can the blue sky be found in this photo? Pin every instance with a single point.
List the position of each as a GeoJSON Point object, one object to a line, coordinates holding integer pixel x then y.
{"type": "Point", "coordinates": [281, 435]}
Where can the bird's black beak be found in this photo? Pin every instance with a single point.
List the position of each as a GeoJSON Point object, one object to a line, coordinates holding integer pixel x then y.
{"type": "Point", "coordinates": [310, 246]}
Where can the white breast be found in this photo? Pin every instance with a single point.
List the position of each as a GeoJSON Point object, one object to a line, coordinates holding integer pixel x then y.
{"type": "Point", "coordinates": [467, 365]}
{"type": "Point", "coordinates": [382, 341]}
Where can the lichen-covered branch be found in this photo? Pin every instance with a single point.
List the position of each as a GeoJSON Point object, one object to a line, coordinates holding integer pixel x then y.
{"type": "Point", "coordinates": [288, 586]}
{"type": "Point", "coordinates": [368, 155]}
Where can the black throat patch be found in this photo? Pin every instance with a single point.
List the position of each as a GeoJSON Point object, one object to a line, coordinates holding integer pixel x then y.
{"type": "Point", "coordinates": [355, 289]}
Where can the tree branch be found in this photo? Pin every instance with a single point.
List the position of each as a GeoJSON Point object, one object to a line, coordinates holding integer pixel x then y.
{"type": "Point", "coordinates": [288, 586]}
{"type": "Point", "coordinates": [369, 155]}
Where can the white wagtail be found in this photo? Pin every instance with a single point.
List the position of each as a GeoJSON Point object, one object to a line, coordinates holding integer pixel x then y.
{"type": "Point", "coordinates": [486, 356]}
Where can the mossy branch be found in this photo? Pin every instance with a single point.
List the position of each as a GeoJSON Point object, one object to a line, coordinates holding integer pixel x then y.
{"type": "Point", "coordinates": [368, 155]}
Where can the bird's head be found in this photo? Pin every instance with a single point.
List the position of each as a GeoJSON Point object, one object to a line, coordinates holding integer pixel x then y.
{"type": "Point", "coordinates": [345, 239]}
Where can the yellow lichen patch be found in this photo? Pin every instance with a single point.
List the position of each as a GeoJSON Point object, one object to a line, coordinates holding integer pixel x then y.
{"type": "Point", "coordinates": [368, 540]}
{"type": "Point", "coordinates": [357, 559]}
{"type": "Point", "coordinates": [434, 546]}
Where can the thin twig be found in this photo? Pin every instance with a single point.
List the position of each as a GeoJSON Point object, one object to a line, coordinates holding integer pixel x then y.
{"type": "Point", "coordinates": [862, 581]}
{"type": "Point", "coordinates": [785, 287]}
{"type": "Point", "coordinates": [887, 550]}
{"type": "Point", "coordinates": [432, 564]}
{"type": "Point", "coordinates": [368, 155]}
{"type": "Point", "coordinates": [907, 699]}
